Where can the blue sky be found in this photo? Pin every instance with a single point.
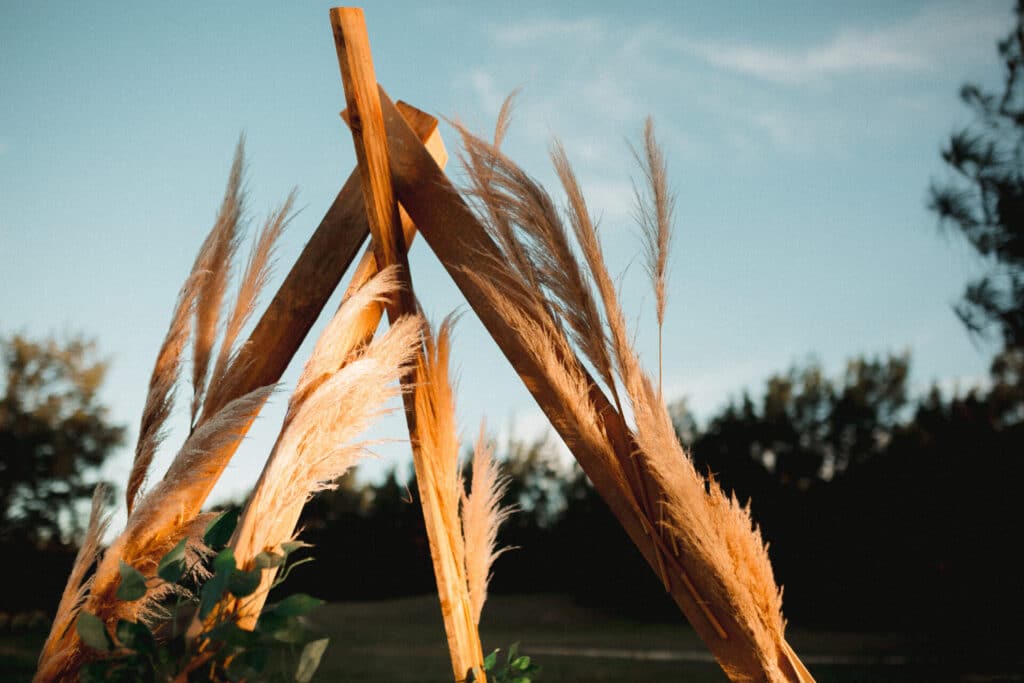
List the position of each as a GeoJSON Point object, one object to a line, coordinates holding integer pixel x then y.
{"type": "Point", "coordinates": [801, 138]}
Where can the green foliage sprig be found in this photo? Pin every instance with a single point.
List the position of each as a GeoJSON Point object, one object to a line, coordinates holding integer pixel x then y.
{"type": "Point", "coordinates": [516, 668]}
{"type": "Point", "coordinates": [280, 647]}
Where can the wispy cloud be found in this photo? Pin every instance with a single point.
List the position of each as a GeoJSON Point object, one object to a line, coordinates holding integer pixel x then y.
{"type": "Point", "coordinates": [728, 95]}
{"type": "Point", "coordinates": [919, 43]}
{"type": "Point", "coordinates": [486, 90]}
{"type": "Point", "coordinates": [538, 30]}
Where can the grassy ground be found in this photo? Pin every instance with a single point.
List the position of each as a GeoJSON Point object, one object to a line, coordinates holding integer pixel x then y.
{"type": "Point", "coordinates": [402, 641]}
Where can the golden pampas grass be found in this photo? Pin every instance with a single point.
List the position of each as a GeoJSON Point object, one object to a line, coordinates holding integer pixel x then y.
{"type": "Point", "coordinates": [215, 259]}
{"type": "Point", "coordinates": [654, 209]}
{"type": "Point", "coordinates": [163, 516]}
{"type": "Point", "coordinates": [158, 519]}
{"type": "Point", "coordinates": [461, 528]}
{"type": "Point", "coordinates": [160, 397]}
{"type": "Point", "coordinates": [63, 640]}
{"type": "Point", "coordinates": [692, 522]}
{"type": "Point", "coordinates": [254, 279]}
{"type": "Point", "coordinates": [482, 515]}
{"type": "Point", "coordinates": [435, 456]}
{"type": "Point", "coordinates": [343, 388]}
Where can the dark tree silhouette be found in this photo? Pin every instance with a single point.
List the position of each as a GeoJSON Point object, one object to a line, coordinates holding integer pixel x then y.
{"type": "Point", "coordinates": [983, 199]}
{"type": "Point", "coordinates": [54, 432]}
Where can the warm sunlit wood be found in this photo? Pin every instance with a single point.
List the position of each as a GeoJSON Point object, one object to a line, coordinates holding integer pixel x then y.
{"type": "Point", "coordinates": [366, 122]}
{"type": "Point", "coordinates": [463, 246]}
{"type": "Point", "coordinates": [305, 290]}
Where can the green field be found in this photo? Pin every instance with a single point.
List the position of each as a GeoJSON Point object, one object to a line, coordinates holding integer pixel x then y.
{"type": "Point", "coordinates": [402, 640]}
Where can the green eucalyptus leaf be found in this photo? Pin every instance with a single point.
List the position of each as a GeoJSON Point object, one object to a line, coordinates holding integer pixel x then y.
{"type": "Point", "coordinates": [248, 665]}
{"type": "Point", "coordinates": [213, 590]}
{"type": "Point", "coordinates": [93, 632]}
{"type": "Point", "coordinates": [224, 561]}
{"type": "Point", "coordinates": [133, 583]}
{"type": "Point", "coordinates": [309, 660]}
{"type": "Point", "coordinates": [490, 660]}
{"type": "Point", "coordinates": [290, 632]}
{"type": "Point", "coordinates": [290, 547]}
{"type": "Point", "coordinates": [219, 530]}
{"type": "Point", "coordinates": [243, 583]}
{"type": "Point", "coordinates": [267, 560]}
{"type": "Point", "coordinates": [231, 634]}
{"type": "Point", "coordinates": [296, 605]}
{"type": "Point", "coordinates": [270, 623]}
{"type": "Point", "coordinates": [135, 636]}
{"type": "Point", "coordinates": [172, 565]}
{"type": "Point", "coordinates": [522, 663]}
{"type": "Point", "coordinates": [513, 652]}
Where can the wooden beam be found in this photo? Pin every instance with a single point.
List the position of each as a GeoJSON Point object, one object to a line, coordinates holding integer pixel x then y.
{"type": "Point", "coordinates": [366, 122]}
{"type": "Point", "coordinates": [463, 246]}
{"type": "Point", "coordinates": [315, 275]}
{"type": "Point", "coordinates": [365, 325]}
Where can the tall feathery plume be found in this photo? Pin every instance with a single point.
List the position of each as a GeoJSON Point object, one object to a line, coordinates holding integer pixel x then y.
{"type": "Point", "coordinates": [516, 290]}
{"type": "Point", "coordinates": [62, 641]}
{"type": "Point", "coordinates": [436, 455]}
{"type": "Point", "coordinates": [160, 397]}
{"type": "Point", "coordinates": [613, 344]}
{"type": "Point", "coordinates": [689, 514]}
{"type": "Point", "coordinates": [217, 255]}
{"type": "Point", "coordinates": [482, 514]}
{"type": "Point", "coordinates": [254, 279]}
{"type": "Point", "coordinates": [504, 118]}
{"type": "Point", "coordinates": [343, 388]}
{"type": "Point", "coordinates": [561, 290]}
{"type": "Point", "coordinates": [157, 523]}
{"type": "Point", "coordinates": [169, 512]}
{"type": "Point", "coordinates": [654, 215]}
{"type": "Point", "coordinates": [531, 233]}
{"type": "Point", "coordinates": [478, 158]}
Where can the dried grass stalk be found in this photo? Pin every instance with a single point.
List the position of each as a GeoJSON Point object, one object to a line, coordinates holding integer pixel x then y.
{"type": "Point", "coordinates": [689, 513]}
{"type": "Point", "coordinates": [654, 209]}
{"type": "Point", "coordinates": [435, 456]}
{"type": "Point", "coordinates": [343, 388]}
{"type": "Point", "coordinates": [62, 641]}
{"type": "Point", "coordinates": [482, 515]}
{"type": "Point", "coordinates": [169, 511]}
{"type": "Point", "coordinates": [164, 516]}
{"type": "Point", "coordinates": [160, 397]}
{"type": "Point", "coordinates": [215, 259]}
{"type": "Point", "coordinates": [254, 279]}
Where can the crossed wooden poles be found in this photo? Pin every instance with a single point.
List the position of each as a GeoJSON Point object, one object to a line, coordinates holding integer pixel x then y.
{"type": "Point", "coordinates": [399, 188]}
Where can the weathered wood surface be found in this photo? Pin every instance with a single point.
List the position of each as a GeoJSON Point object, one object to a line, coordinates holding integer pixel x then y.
{"type": "Point", "coordinates": [366, 122]}
{"type": "Point", "coordinates": [463, 246]}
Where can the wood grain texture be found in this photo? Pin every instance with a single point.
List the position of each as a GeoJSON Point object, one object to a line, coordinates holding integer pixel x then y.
{"type": "Point", "coordinates": [366, 122]}
{"type": "Point", "coordinates": [368, 321]}
{"type": "Point", "coordinates": [463, 247]}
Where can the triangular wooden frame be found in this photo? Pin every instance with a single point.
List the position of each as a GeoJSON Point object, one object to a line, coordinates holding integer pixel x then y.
{"type": "Point", "coordinates": [414, 178]}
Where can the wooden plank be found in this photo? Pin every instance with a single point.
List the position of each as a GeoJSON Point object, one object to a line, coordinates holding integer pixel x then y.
{"type": "Point", "coordinates": [367, 322]}
{"type": "Point", "coordinates": [367, 125]}
{"type": "Point", "coordinates": [366, 122]}
{"type": "Point", "coordinates": [300, 298]}
{"type": "Point", "coordinates": [464, 247]}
